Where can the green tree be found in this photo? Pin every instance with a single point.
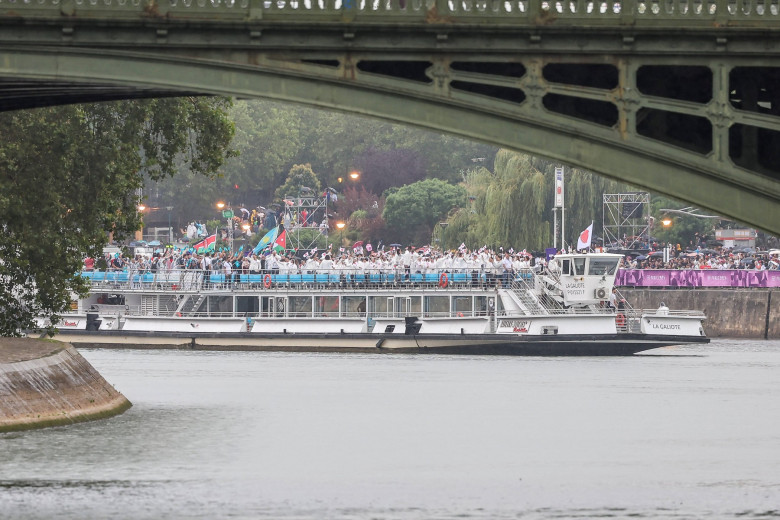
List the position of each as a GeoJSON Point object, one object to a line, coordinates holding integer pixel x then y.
{"type": "Point", "coordinates": [300, 178]}
{"type": "Point", "coordinates": [69, 176]}
{"type": "Point", "coordinates": [267, 139]}
{"type": "Point", "coordinates": [412, 211]}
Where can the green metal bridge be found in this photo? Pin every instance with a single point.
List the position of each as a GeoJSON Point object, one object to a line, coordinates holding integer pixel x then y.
{"type": "Point", "coordinates": [680, 97]}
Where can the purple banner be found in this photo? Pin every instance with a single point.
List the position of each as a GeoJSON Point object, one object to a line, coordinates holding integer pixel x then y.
{"type": "Point", "coordinates": [719, 278]}
{"type": "Point", "coordinates": [697, 278]}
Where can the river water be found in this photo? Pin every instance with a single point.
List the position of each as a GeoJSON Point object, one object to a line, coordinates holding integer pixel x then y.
{"type": "Point", "coordinates": [680, 432]}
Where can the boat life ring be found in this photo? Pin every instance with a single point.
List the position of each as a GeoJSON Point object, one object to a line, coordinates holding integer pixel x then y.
{"type": "Point", "coordinates": [267, 281]}
{"type": "Point", "coordinates": [620, 320]}
{"type": "Point", "coordinates": [443, 281]}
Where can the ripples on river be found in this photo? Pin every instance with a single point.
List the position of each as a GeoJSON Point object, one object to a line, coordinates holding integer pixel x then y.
{"type": "Point", "coordinates": [685, 432]}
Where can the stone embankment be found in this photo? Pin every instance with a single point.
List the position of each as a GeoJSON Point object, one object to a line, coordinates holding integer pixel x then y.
{"type": "Point", "coordinates": [731, 313]}
{"type": "Point", "coordinates": [48, 383]}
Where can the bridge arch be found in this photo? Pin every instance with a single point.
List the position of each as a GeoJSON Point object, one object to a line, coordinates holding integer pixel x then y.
{"type": "Point", "coordinates": [419, 92]}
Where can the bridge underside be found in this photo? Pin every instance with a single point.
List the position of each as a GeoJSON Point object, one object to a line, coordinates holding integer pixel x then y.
{"type": "Point", "coordinates": [702, 129]}
{"type": "Point", "coordinates": [23, 94]}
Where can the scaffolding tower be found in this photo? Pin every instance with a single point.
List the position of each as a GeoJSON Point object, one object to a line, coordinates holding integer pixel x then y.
{"type": "Point", "coordinates": [626, 221]}
{"type": "Point", "coordinates": [316, 208]}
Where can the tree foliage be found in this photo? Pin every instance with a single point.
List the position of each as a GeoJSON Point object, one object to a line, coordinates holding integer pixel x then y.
{"type": "Point", "coordinates": [510, 206]}
{"type": "Point", "coordinates": [381, 169]}
{"type": "Point", "coordinates": [267, 139]}
{"type": "Point", "coordinates": [356, 198]}
{"type": "Point", "coordinates": [301, 180]}
{"type": "Point", "coordinates": [412, 211]}
{"type": "Point", "coordinates": [272, 137]}
{"type": "Point", "coordinates": [334, 143]}
{"type": "Point", "coordinates": [69, 176]}
{"type": "Point", "coordinates": [362, 212]}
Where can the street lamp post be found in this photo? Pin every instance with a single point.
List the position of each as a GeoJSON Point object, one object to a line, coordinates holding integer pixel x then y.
{"type": "Point", "coordinates": [245, 227]}
{"type": "Point", "coordinates": [170, 229]}
{"type": "Point", "coordinates": [139, 233]}
{"type": "Point", "coordinates": [340, 226]}
{"type": "Point", "coordinates": [228, 214]}
{"type": "Point", "coordinates": [443, 226]}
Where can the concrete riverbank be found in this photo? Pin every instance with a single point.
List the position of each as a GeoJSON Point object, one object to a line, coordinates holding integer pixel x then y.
{"type": "Point", "coordinates": [48, 383]}
{"type": "Point", "coordinates": [731, 313]}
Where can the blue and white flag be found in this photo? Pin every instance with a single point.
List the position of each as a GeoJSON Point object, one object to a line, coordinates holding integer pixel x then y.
{"type": "Point", "coordinates": [267, 240]}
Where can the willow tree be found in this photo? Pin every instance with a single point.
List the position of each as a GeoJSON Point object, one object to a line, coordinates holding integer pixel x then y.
{"type": "Point", "coordinates": [69, 177]}
{"type": "Point", "coordinates": [508, 205]}
{"type": "Point", "coordinates": [511, 206]}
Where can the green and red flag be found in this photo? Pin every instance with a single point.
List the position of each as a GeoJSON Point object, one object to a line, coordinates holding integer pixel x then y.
{"type": "Point", "coordinates": [280, 244]}
{"type": "Point", "coordinates": [207, 244]}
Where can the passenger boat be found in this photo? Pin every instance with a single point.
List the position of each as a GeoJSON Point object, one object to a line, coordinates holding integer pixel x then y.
{"type": "Point", "coordinates": [561, 311]}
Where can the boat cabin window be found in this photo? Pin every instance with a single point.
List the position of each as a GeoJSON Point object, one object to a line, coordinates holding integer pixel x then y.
{"type": "Point", "coordinates": [480, 306]}
{"type": "Point", "coordinates": [579, 266]}
{"type": "Point", "coordinates": [437, 306]}
{"type": "Point", "coordinates": [216, 305]}
{"type": "Point", "coordinates": [353, 305]}
{"type": "Point", "coordinates": [462, 305]}
{"type": "Point", "coordinates": [325, 306]}
{"type": "Point", "coordinates": [300, 306]}
{"type": "Point", "coordinates": [246, 305]}
{"type": "Point", "coordinates": [381, 306]}
{"type": "Point", "coordinates": [566, 266]}
{"type": "Point", "coordinates": [602, 266]}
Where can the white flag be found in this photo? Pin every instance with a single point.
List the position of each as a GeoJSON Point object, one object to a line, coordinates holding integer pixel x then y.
{"type": "Point", "coordinates": [583, 242]}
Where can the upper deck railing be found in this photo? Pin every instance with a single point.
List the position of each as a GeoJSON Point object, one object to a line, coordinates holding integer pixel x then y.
{"type": "Point", "coordinates": [704, 14]}
{"type": "Point", "coordinates": [196, 280]}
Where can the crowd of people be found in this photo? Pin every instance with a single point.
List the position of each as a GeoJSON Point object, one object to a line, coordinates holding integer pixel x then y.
{"type": "Point", "coordinates": [723, 259]}
{"type": "Point", "coordinates": [494, 263]}
{"type": "Point", "coordinates": [396, 260]}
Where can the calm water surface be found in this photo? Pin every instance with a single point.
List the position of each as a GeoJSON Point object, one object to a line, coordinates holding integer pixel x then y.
{"type": "Point", "coordinates": [685, 432]}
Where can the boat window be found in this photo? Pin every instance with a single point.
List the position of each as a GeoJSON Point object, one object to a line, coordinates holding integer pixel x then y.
{"type": "Point", "coordinates": [403, 306]}
{"type": "Point", "coordinates": [326, 306]}
{"type": "Point", "coordinates": [300, 306]}
{"type": "Point", "coordinates": [565, 266]}
{"type": "Point", "coordinates": [247, 305]}
{"type": "Point", "coordinates": [461, 305]}
{"type": "Point", "coordinates": [217, 306]}
{"type": "Point", "coordinates": [579, 266]}
{"type": "Point", "coordinates": [437, 306]}
{"type": "Point", "coordinates": [601, 266]}
{"type": "Point", "coordinates": [353, 306]}
{"type": "Point", "coordinates": [378, 306]}
{"type": "Point", "coordinates": [268, 306]}
{"type": "Point", "coordinates": [480, 306]}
